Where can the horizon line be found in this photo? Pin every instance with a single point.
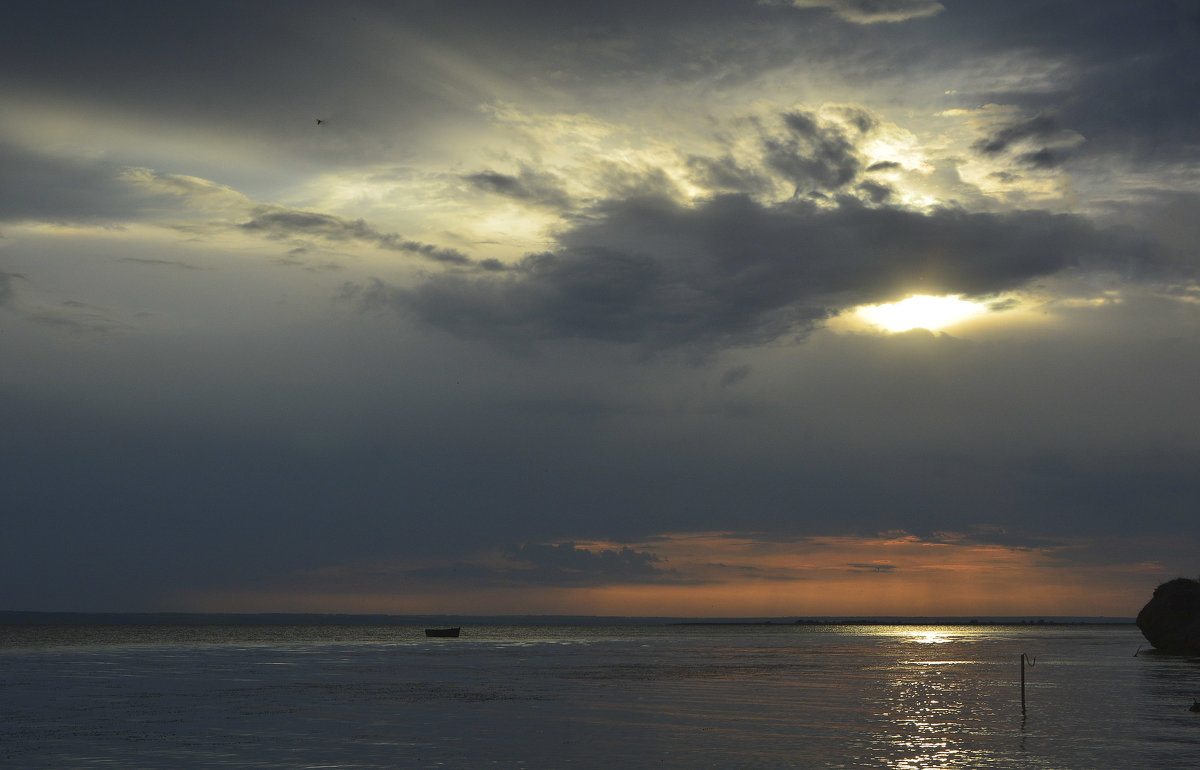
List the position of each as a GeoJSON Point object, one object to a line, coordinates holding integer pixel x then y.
{"type": "Point", "coordinates": [170, 617]}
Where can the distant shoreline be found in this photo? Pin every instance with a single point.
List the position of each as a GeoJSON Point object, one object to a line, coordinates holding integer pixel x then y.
{"type": "Point", "coordinates": [18, 618]}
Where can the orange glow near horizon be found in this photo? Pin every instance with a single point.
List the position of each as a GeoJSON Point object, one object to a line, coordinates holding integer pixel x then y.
{"type": "Point", "coordinates": [729, 575]}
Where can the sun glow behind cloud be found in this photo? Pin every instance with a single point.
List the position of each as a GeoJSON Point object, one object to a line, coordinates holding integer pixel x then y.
{"type": "Point", "coordinates": [921, 311]}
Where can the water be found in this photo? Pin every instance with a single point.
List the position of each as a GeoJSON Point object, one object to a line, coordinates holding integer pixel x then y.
{"type": "Point", "coordinates": [592, 697]}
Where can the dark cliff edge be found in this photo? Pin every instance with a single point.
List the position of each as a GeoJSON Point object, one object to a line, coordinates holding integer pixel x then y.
{"type": "Point", "coordinates": [1170, 621]}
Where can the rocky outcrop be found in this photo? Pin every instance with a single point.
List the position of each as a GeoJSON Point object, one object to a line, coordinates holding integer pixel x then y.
{"type": "Point", "coordinates": [1170, 621]}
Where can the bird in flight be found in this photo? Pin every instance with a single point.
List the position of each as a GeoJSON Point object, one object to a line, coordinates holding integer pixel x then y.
{"type": "Point", "coordinates": [320, 122]}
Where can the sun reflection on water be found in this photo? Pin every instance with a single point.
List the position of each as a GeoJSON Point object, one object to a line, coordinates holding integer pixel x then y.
{"type": "Point", "coordinates": [931, 637]}
{"type": "Point", "coordinates": [933, 697]}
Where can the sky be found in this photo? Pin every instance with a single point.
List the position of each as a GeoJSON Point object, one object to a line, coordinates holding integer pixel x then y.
{"type": "Point", "coordinates": [708, 308]}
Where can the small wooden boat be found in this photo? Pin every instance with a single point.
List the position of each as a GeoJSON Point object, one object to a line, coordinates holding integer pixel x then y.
{"type": "Point", "coordinates": [442, 631]}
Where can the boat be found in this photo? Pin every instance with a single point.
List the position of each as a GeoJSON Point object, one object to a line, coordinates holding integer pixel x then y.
{"type": "Point", "coordinates": [442, 631]}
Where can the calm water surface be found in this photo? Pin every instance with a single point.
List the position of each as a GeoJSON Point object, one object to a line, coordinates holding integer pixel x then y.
{"type": "Point", "coordinates": [592, 697]}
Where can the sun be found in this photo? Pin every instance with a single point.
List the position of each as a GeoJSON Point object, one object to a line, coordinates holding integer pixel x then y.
{"type": "Point", "coordinates": [920, 311]}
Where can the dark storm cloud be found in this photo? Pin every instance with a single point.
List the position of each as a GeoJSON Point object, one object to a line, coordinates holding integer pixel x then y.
{"type": "Point", "coordinates": [658, 275]}
{"type": "Point", "coordinates": [280, 222]}
{"type": "Point", "coordinates": [1116, 73]}
{"type": "Point", "coordinates": [1120, 70]}
{"type": "Point", "coordinates": [875, 192]}
{"type": "Point", "coordinates": [1045, 158]}
{"type": "Point", "coordinates": [725, 174]}
{"type": "Point", "coordinates": [813, 155]}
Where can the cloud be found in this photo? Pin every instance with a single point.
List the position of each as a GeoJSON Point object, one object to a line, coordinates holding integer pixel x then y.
{"type": "Point", "coordinates": [1113, 72]}
{"type": "Point", "coordinates": [875, 11]}
{"type": "Point", "coordinates": [529, 186]}
{"type": "Point", "coordinates": [1039, 127]}
{"type": "Point", "coordinates": [547, 565]}
{"type": "Point", "coordinates": [872, 567]}
{"type": "Point", "coordinates": [726, 174]}
{"type": "Point", "coordinates": [875, 192]}
{"type": "Point", "coordinates": [79, 318]}
{"type": "Point", "coordinates": [47, 188]}
{"type": "Point", "coordinates": [814, 155]}
{"type": "Point", "coordinates": [6, 287]}
{"type": "Point", "coordinates": [43, 188]}
{"type": "Point", "coordinates": [1044, 142]}
{"type": "Point", "coordinates": [637, 175]}
{"type": "Point", "coordinates": [282, 222]}
{"type": "Point", "coordinates": [37, 187]}
{"type": "Point", "coordinates": [568, 563]}
{"type": "Point", "coordinates": [198, 193]}
{"type": "Point", "coordinates": [734, 375]}
{"type": "Point", "coordinates": [159, 263]}
{"type": "Point", "coordinates": [1045, 158]}
{"type": "Point", "coordinates": [659, 275]}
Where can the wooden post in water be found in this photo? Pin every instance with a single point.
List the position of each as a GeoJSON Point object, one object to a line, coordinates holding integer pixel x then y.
{"type": "Point", "coordinates": [1032, 662]}
{"type": "Point", "coordinates": [1022, 683]}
